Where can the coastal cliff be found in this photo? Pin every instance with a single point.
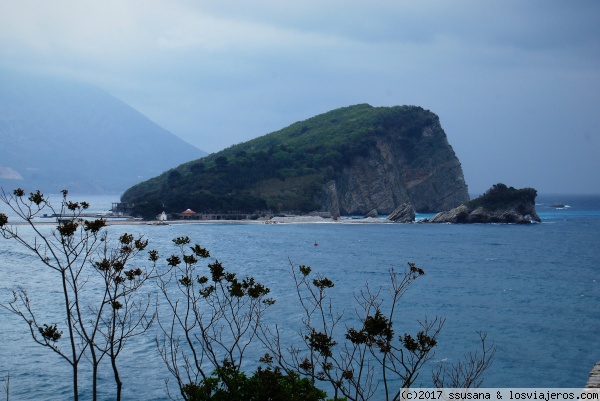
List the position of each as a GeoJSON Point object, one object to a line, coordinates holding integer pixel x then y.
{"type": "Point", "coordinates": [429, 176]}
{"type": "Point", "coordinates": [500, 204]}
{"type": "Point", "coordinates": [348, 161]}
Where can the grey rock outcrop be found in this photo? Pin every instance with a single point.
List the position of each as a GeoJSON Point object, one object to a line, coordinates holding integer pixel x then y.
{"type": "Point", "coordinates": [500, 204]}
{"type": "Point", "coordinates": [417, 166]}
{"type": "Point", "coordinates": [373, 213]}
{"type": "Point", "coordinates": [331, 200]}
{"type": "Point", "coordinates": [404, 213]}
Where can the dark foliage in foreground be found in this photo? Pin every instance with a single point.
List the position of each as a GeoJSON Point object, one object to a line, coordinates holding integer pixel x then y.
{"type": "Point", "coordinates": [265, 384]}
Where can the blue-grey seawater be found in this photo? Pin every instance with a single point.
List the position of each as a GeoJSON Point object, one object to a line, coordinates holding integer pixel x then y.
{"type": "Point", "coordinates": [534, 289]}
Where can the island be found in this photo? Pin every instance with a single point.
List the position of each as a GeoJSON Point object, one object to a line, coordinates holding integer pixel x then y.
{"type": "Point", "coordinates": [499, 204]}
{"type": "Point", "coordinates": [349, 161]}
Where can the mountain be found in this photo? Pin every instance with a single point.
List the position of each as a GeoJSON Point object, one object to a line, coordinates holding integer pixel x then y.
{"type": "Point", "coordinates": [347, 161]}
{"type": "Point", "coordinates": [59, 134]}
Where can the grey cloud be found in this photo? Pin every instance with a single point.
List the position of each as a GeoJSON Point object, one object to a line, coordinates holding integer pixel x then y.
{"type": "Point", "coordinates": [510, 80]}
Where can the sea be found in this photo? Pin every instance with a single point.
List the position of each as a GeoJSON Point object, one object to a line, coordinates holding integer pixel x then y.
{"type": "Point", "coordinates": [533, 289]}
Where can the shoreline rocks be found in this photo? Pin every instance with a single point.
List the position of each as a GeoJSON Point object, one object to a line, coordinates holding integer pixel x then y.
{"type": "Point", "coordinates": [405, 213]}
{"type": "Point", "coordinates": [500, 204]}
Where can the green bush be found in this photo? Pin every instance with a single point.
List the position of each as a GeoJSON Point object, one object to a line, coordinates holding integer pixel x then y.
{"type": "Point", "coordinates": [265, 384]}
{"type": "Point", "coordinates": [499, 196]}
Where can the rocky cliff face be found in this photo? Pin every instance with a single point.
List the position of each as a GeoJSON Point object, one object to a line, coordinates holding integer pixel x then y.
{"type": "Point", "coordinates": [500, 204]}
{"type": "Point", "coordinates": [404, 213]}
{"type": "Point", "coordinates": [419, 167]}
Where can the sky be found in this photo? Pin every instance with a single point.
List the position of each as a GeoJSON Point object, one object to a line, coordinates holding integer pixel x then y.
{"type": "Point", "coordinates": [516, 84]}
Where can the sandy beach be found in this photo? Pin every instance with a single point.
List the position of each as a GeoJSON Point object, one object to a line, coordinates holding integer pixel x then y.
{"type": "Point", "coordinates": [274, 220]}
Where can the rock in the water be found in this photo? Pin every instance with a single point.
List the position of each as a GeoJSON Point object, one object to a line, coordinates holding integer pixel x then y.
{"type": "Point", "coordinates": [500, 204]}
{"type": "Point", "coordinates": [404, 213]}
{"type": "Point", "coordinates": [372, 213]}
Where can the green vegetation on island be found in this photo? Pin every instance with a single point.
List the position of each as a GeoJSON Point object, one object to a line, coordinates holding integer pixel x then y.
{"type": "Point", "coordinates": [285, 170]}
{"type": "Point", "coordinates": [500, 196]}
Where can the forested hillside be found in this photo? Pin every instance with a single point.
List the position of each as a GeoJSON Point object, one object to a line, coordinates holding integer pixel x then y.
{"type": "Point", "coordinates": [287, 170]}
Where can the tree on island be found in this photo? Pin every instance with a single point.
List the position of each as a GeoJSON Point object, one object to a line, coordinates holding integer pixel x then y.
{"type": "Point", "coordinates": [207, 322]}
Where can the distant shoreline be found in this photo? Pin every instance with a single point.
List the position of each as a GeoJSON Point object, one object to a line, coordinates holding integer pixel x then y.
{"type": "Point", "coordinates": [273, 220]}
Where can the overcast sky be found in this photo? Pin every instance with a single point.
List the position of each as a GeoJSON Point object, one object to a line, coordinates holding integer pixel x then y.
{"type": "Point", "coordinates": [516, 84]}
